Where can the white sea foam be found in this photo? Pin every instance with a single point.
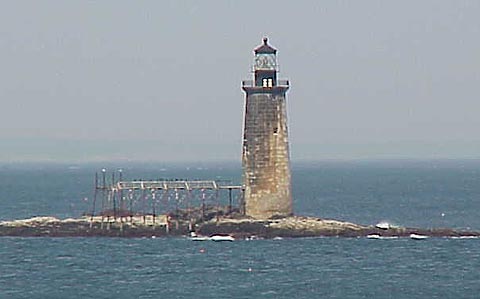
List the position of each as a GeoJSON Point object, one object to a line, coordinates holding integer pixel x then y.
{"type": "Point", "coordinates": [465, 237]}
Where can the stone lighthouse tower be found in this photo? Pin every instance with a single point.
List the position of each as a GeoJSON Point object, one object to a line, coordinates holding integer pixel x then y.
{"type": "Point", "coordinates": [265, 157]}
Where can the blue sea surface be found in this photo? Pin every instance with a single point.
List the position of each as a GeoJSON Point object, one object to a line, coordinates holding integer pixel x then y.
{"type": "Point", "coordinates": [408, 193]}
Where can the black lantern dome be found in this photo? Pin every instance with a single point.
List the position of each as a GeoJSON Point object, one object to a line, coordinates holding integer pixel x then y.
{"type": "Point", "coordinates": [265, 48]}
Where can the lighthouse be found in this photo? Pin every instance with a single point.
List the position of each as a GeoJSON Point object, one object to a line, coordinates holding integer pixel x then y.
{"type": "Point", "coordinates": [265, 153]}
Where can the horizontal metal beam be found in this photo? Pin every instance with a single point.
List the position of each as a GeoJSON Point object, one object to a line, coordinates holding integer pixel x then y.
{"type": "Point", "coordinates": [169, 185]}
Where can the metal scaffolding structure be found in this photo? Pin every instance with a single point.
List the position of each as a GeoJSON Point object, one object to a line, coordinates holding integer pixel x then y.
{"type": "Point", "coordinates": [194, 200]}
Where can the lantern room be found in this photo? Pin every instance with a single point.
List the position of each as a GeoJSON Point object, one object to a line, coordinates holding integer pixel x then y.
{"type": "Point", "coordinates": [265, 65]}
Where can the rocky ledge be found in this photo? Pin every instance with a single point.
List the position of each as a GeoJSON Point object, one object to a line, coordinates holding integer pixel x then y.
{"type": "Point", "coordinates": [148, 226]}
{"type": "Point", "coordinates": [298, 226]}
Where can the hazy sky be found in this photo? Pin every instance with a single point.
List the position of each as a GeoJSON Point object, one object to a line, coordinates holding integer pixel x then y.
{"type": "Point", "coordinates": [160, 80]}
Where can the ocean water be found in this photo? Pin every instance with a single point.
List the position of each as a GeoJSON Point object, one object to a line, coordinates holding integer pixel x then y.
{"type": "Point", "coordinates": [408, 193]}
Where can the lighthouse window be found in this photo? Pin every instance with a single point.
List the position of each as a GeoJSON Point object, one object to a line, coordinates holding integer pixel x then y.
{"type": "Point", "coordinates": [267, 82]}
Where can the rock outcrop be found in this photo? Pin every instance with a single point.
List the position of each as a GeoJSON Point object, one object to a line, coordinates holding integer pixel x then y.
{"type": "Point", "coordinates": [148, 226]}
